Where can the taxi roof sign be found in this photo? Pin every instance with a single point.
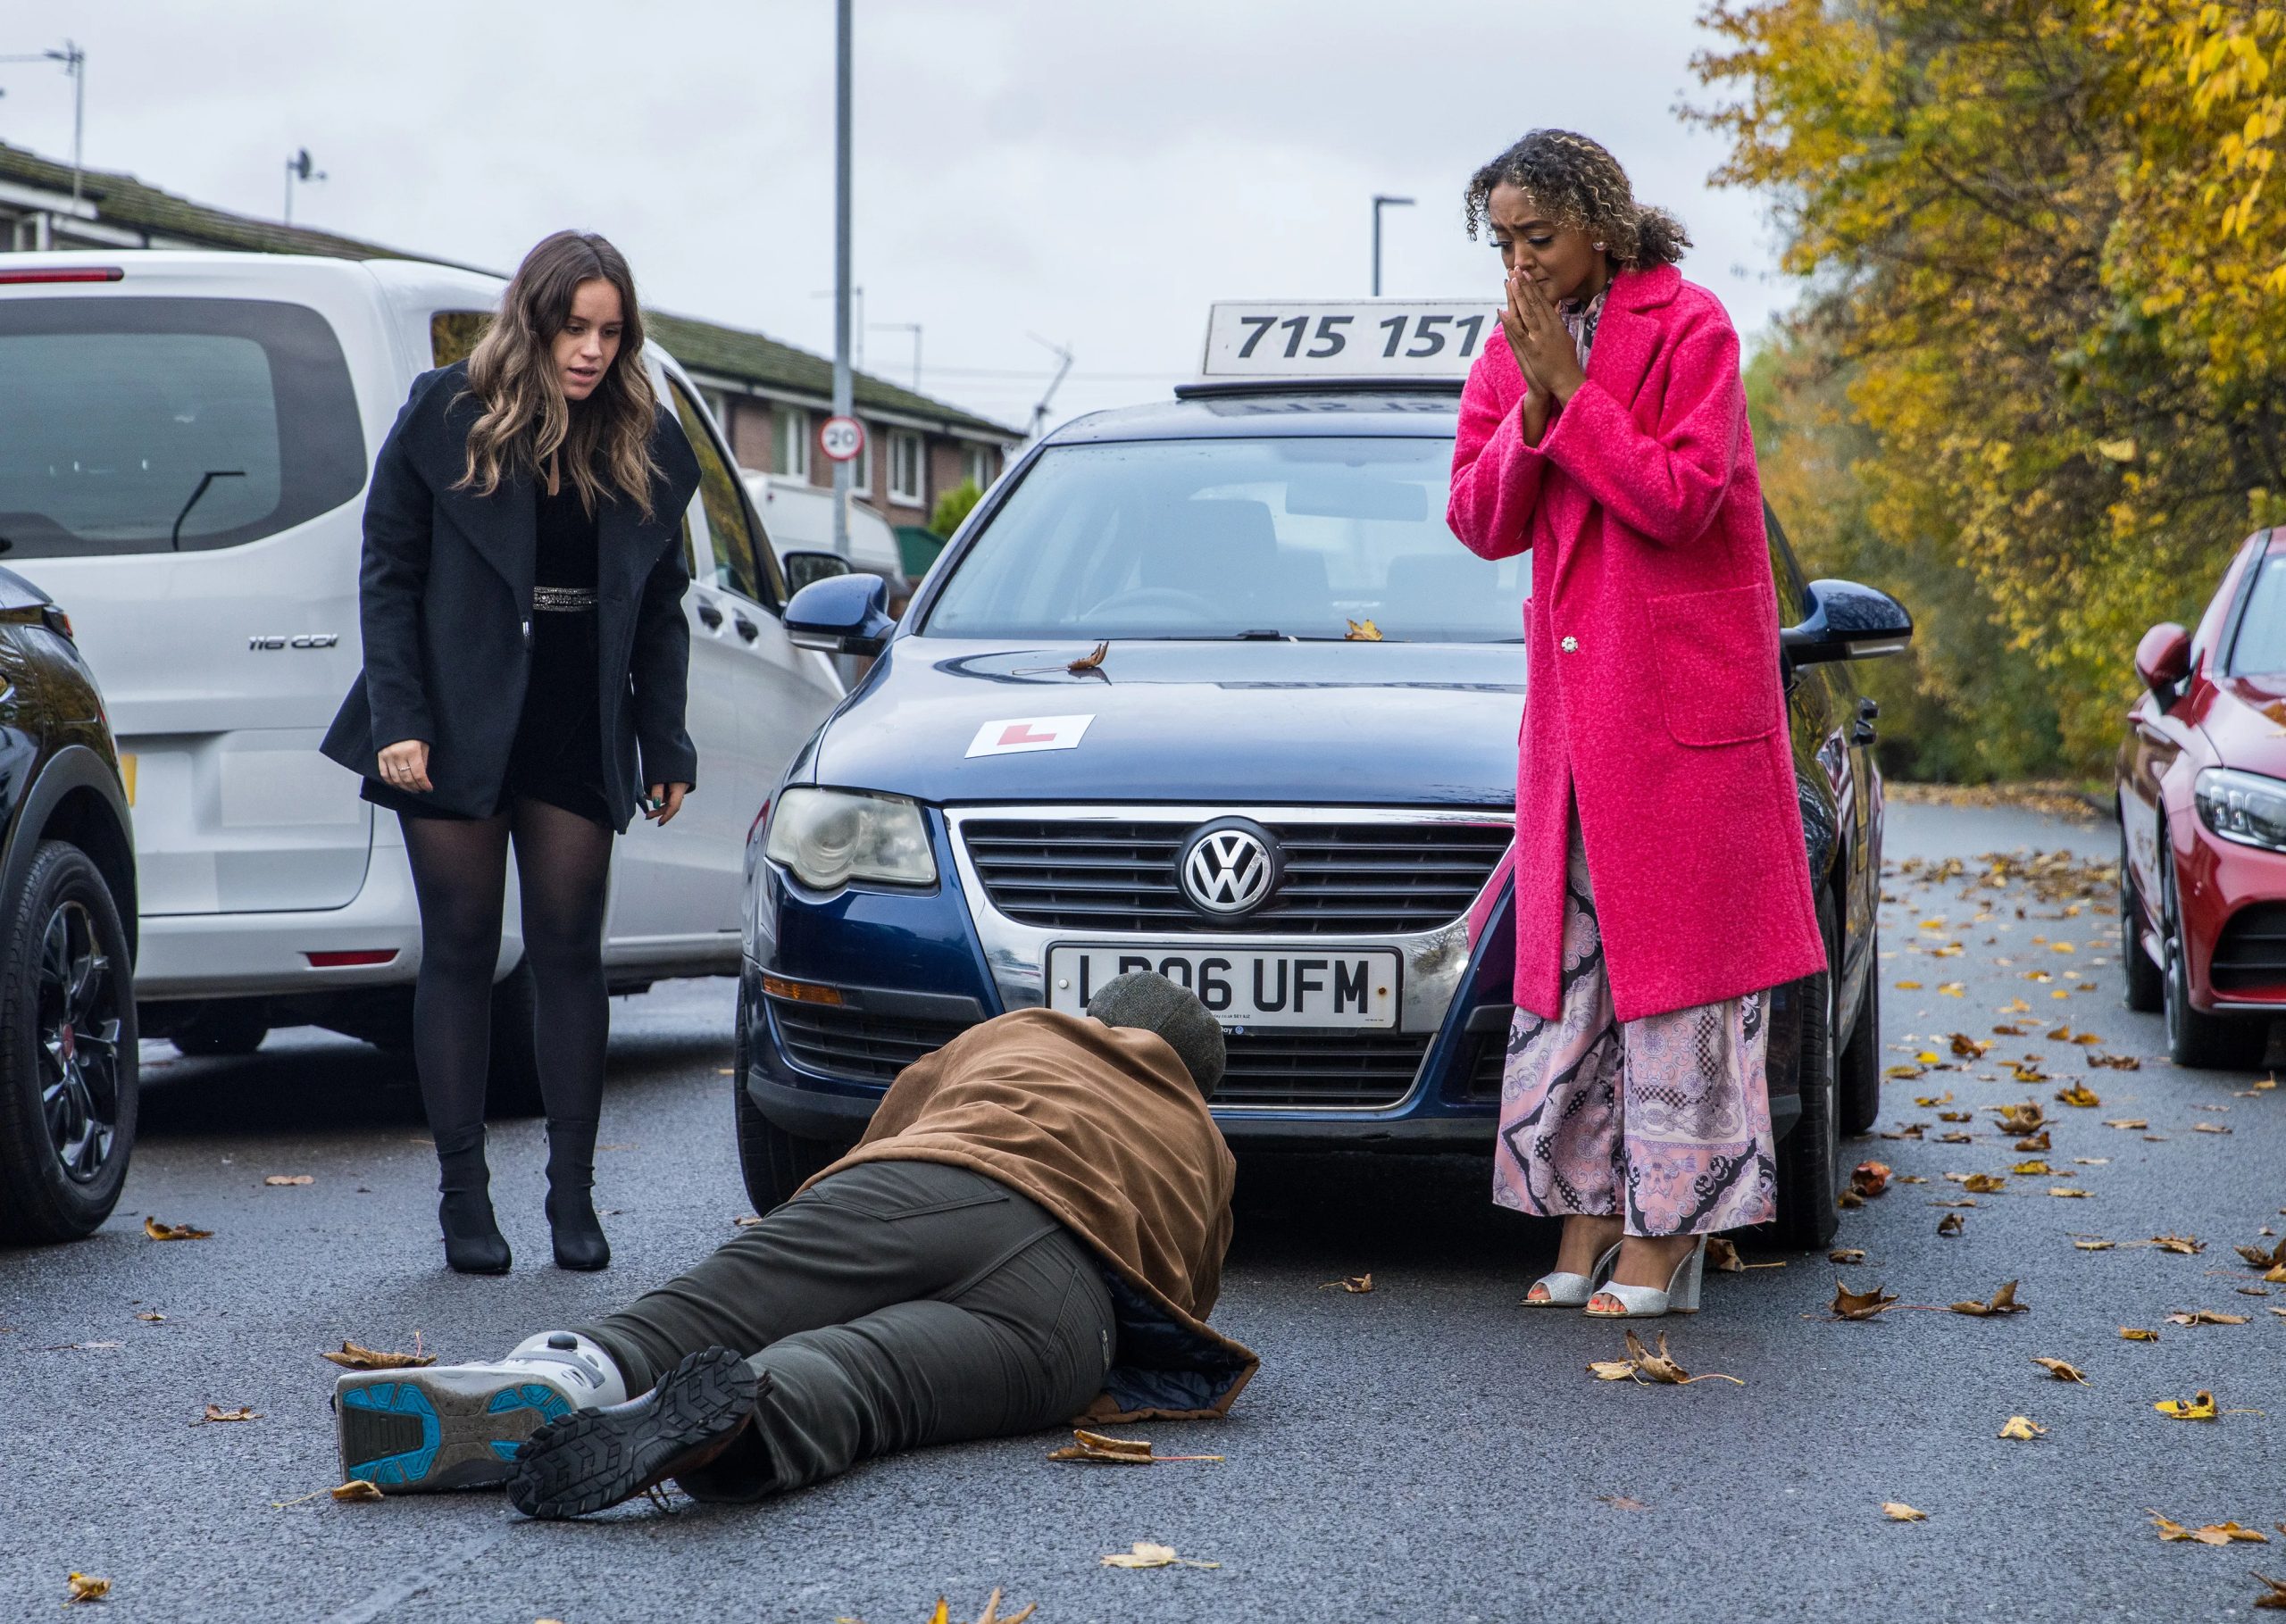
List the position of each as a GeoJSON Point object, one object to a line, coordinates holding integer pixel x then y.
{"type": "Point", "coordinates": [1304, 342]}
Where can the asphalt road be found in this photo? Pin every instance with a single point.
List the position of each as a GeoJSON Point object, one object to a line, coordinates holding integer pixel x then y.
{"type": "Point", "coordinates": [1429, 1451]}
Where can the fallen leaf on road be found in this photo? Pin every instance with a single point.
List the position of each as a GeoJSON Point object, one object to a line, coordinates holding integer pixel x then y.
{"type": "Point", "coordinates": [1660, 1367]}
{"type": "Point", "coordinates": [1847, 1200]}
{"type": "Point", "coordinates": [1902, 1072]}
{"type": "Point", "coordinates": [1721, 1254]}
{"type": "Point", "coordinates": [2002, 1301]}
{"type": "Point", "coordinates": [86, 1587]}
{"type": "Point", "coordinates": [2198, 1409]}
{"type": "Point", "coordinates": [357, 1488]}
{"type": "Point", "coordinates": [1357, 1285]}
{"type": "Point", "coordinates": [2090, 1242]}
{"type": "Point", "coordinates": [2078, 1094]}
{"type": "Point", "coordinates": [1908, 986]}
{"type": "Point", "coordinates": [1954, 989]}
{"type": "Point", "coordinates": [2130, 1333]}
{"type": "Point", "coordinates": [280, 1180]}
{"type": "Point", "coordinates": [2208, 1128]}
{"type": "Point", "coordinates": [1846, 1254]}
{"type": "Point", "coordinates": [152, 1318]}
{"type": "Point", "coordinates": [2264, 1257]}
{"type": "Point", "coordinates": [215, 1412]}
{"type": "Point", "coordinates": [2125, 1122]}
{"type": "Point", "coordinates": [1610, 1369]}
{"type": "Point", "coordinates": [1870, 1179]}
{"type": "Point", "coordinates": [747, 1221]}
{"type": "Point", "coordinates": [158, 1231]}
{"type": "Point", "coordinates": [2034, 1166]}
{"type": "Point", "coordinates": [2061, 1371]}
{"type": "Point", "coordinates": [2092, 1160]}
{"type": "Point", "coordinates": [1929, 1102]}
{"type": "Point", "coordinates": [2039, 1141]}
{"type": "Point", "coordinates": [2011, 1031]}
{"type": "Point", "coordinates": [1984, 1184]}
{"type": "Point", "coordinates": [354, 1358]}
{"type": "Point", "coordinates": [1145, 1554]}
{"type": "Point", "coordinates": [2274, 1596]}
{"type": "Point", "coordinates": [1096, 1448]}
{"type": "Point", "coordinates": [2028, 1117]}
{"type": "Point", "coordinates": [1622, 1502]}
{"type": "Point", "coordinates": [2205, 1316]}
{"type": "Point", "coordinates": [1897, 1510]}
{"type": "Point", "coordinates": [2022, 1427]}
{"type": "Point", "coordinates": [2116, 1062]}
{"type": "Point", "coordinates": [2209, 1534]}
{"type": "Point", "coordinates": [1911, 1179]}
{"type": "Point", "coordinates": [2070, 1195]}
{"type": "Point", "coordinates": [1850, 1304]}
{"type": "Point", "coordinates": [1970, 1048]}
{"type": "Point", "coordinates": [1951, 1226]}
{"type": "Point", "coordinates": [2185, 1245]}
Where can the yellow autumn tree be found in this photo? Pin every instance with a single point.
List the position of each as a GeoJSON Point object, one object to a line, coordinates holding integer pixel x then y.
{"type": "Point", "coordinates": [2036, 377]}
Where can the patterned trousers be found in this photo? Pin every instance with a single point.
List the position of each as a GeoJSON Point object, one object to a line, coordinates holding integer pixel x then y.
{"type": "Point", "coordinates": [1666, 1119]}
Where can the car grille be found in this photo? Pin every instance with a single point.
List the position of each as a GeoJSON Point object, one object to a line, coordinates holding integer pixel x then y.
{"type": "Point", "coordinates": [1351, 878]}
{"type": "Point", "coordinates": [1343, 1070]}
{"type": "Point", "coordinates": [2250, 955]}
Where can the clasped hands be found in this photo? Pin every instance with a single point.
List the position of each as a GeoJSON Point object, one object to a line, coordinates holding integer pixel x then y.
{"type": "Point", "coordinates": [1544, 351]}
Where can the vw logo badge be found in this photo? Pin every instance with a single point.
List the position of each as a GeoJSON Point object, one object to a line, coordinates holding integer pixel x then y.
{"type": "Point", "coordinates": [1228, 867]}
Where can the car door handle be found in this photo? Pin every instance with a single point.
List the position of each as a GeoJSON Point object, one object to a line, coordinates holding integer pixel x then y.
{"type": "Point", "coordinates": [711, 615]}
{"type": "Point", "coordinates": [747, 628]}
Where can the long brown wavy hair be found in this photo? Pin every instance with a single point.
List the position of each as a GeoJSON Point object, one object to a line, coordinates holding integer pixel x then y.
{"type": "Point", "coordinates": [1577, 183]}
{"type": "Point", "coordinates": [602, 444]}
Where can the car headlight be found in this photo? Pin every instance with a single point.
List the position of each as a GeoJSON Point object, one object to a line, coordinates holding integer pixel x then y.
{"type": "Point", "coordinates": [2243, 806]}
{"type": "Point", "coordinates": [829, 836]}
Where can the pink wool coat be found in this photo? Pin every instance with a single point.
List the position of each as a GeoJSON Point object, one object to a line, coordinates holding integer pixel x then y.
{"type": "Point", "coordinates": [1651, 644]}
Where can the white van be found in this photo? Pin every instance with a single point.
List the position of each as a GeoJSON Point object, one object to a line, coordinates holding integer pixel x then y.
{"type": "Point", "coordinates": [185, 439]}
{"type": "Point", "coordinates": [799, 517]}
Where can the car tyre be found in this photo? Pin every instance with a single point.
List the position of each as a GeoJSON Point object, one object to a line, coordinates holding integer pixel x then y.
{"type": "Point", "coordinates": [68, 1088]}
{"type": "Point", "coordinates": [1858, 1071]}
{"type": "Point", "coordinates": [2146, 981]}
{"type": "Point", "coordinates": [2212, 1043]}
{"type": "Point", "coordinates": [225, 1027]}
{"type": "Point", "coordinates": [511, 1086]}
{"type": "Point", "coordinates": [1809, 1162]}
{"type": "Point", "coordinates": [775, 1163]}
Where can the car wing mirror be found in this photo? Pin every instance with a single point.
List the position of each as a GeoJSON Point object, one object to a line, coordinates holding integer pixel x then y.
{"type": "Point", "coordinates": [2163, 658]}
{"type": "Point", "coordinates": [842, 614]}
{"type": "Point", "coordinates": [1847, 622]}
{"type": "Point", "coordinates": [803, 568]}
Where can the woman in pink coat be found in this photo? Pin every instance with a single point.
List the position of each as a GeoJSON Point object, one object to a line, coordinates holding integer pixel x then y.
{"type": "Point", "coordinates": [1661, 886]}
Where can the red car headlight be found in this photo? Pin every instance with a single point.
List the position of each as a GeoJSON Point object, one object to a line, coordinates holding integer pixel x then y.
{"type": "Point", "coordinates": [2244, 807]}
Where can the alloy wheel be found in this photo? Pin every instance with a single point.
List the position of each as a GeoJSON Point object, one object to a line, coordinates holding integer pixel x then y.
{"type": "Point", "coordinates": [78, 1033]}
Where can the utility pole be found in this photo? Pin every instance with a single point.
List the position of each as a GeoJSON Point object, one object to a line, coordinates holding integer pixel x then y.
{"type": "Point", "coordinates": [1381, 203]}
{"type": "Point", "coordinates": [844, 383]}
{"type": "Point", "coordinates": [75, 64]}
{"type": "Point", "coordinates": [299, 168]}
{"type": "Point", "coordinates": [914, 328]}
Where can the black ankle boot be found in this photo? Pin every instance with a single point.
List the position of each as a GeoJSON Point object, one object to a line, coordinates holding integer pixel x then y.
{"type": "Point", "coordinates": [473, 1244]}
{"type": "Point", "coordinates": [572, 1221]}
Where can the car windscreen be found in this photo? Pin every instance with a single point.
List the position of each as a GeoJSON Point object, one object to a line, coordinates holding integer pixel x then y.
{"type": "Point", "coordinates": [1211, 538]}
{"type": "Point", "coordinates": [2260, 647]}
{"type": "Point", "coordinates": [132, 425]}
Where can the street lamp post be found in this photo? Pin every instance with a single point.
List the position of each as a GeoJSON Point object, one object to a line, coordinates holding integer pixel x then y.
{"type": "Point", "coordinates": [75, 64]}
{"type": "Point", "coordinates": [844, 383]}
{"type": "Point", "coordinates": [1381, 203]}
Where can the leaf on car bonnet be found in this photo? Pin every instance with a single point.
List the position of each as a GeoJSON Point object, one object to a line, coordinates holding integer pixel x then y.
{"type": "Point", "coordinates": [2198, 1409]}
{"type": "Point", "coordinates": [158, 1231]}
{"type": "Point", "coordinates": [1850, 1304]}
{"type": "Point", "coordinates": [1092, 661]}
{"type": "Point", "coordinates": [1143, 1554]}
{"type": "Point", "coordinates": [2002, 1301]}
{"type": "Point", "coordinates": [1897, 1510]}
{"type": "Point", "coordinates": [2023, 1427]}
{"type": "Point", "coordinates": [356, 1358]}
{"type": "Point", "coordinates": [1362, 631]}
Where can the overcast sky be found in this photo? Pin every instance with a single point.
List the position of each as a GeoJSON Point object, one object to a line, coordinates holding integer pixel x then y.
{"type": "Point", "coordinates": [1092, 174]}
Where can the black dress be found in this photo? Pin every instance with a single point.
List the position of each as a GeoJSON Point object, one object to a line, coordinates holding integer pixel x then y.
{"type": "Point", "coordinates": [558, 755]}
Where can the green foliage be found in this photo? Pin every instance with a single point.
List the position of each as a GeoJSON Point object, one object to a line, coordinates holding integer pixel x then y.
{"type": "Point", "coordinates": [954, 506]}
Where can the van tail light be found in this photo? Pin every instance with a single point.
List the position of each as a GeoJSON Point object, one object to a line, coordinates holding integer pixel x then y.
{"type": "Point", "coordinates": [12, 276]}
{"type": "Point", "coordinates": [347, 958]}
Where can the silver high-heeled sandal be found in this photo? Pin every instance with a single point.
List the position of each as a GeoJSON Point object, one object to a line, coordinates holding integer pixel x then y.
{"type": "Point", "coordinates": [1648, 1302]}
{"type": "Point", "coordinates": [1566, 1290]}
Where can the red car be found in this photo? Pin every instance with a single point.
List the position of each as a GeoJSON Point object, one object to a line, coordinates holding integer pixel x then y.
{"type": "Point", "coordinates": [2202, 819]}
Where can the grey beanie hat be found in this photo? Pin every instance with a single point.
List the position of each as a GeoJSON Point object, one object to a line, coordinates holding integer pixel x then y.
{"type": "Point", "coordinates": [1146, 999]}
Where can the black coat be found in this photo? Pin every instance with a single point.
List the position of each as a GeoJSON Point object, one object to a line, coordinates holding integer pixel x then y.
{"type": "Point", "coordinates": [446, 608]}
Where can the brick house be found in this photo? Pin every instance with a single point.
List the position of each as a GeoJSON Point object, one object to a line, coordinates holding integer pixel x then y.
{"type": "Point", "coordinates": [769, 396]}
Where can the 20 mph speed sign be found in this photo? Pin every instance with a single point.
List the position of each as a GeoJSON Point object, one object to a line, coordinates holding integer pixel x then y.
{"type": "Point", "coordinates": [841, 438]}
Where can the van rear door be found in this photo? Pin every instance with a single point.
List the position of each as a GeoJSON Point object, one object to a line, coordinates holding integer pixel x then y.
{"type": "Point", "coordinates": [182, 450]}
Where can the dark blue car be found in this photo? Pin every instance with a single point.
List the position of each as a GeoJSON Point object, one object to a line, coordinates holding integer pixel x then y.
{"type": "Point", "coordinates": [1208, 686]}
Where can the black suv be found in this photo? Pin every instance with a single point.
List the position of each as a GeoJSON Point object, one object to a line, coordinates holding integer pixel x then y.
{"type": "Point", "coordinates": [66, 933]}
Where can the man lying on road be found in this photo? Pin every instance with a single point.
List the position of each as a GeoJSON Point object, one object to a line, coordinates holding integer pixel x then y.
{"type": "Point", "coordinates": [1031, 1231]}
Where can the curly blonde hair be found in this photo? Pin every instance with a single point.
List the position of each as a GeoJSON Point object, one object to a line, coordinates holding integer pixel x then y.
{"type": "Point", "coordinates": [527, 424]}
{"type": "Point", "coordinates": [1577, 184]}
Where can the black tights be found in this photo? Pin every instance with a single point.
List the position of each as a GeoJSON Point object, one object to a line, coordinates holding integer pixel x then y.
{"type": "Point", "coordinates": [460, 874]}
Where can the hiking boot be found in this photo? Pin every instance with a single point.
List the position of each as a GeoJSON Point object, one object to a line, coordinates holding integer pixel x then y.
{"type": "Point", "coordinates": [583, 1463]}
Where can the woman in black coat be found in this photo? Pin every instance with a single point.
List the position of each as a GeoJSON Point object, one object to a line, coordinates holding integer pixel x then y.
{"type": "Point", "coordinates": [526, 659]}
